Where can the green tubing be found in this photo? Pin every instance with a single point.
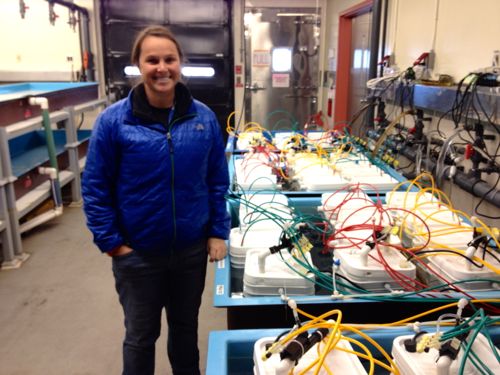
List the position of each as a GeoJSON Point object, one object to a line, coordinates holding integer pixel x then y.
{"type": "Point", "coordinates": [51, 146]}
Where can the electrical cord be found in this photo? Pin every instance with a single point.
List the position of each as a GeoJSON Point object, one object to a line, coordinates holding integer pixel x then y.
{"type": "Point", "coordinates": [483, 198]}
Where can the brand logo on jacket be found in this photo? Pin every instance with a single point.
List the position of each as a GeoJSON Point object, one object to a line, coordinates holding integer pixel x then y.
{"type": "Point", "coordinates": [200, 127]}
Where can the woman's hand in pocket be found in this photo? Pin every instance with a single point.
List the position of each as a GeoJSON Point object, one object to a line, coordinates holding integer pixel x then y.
{"type": "Point", "coordinates": [119, 251]}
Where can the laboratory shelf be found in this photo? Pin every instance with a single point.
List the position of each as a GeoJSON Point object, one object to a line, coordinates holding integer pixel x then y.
{"type": "Point", "coordinates": [23, 149]}
{"type": "Point", "coordinates": [29, 151]}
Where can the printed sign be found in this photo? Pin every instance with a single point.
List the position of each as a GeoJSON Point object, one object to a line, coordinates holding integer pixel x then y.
{"type": "Point", "coordinates": [261, 57]}
{"type": "Point", "coordinates": [281, 80]}
{"type": "Point", "coordinates": [219, 290]}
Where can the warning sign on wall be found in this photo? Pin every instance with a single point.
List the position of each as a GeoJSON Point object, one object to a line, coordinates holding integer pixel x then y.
{"type": "Point", "coordinates": [281, 80]}
{"type": "Point", "coordinates": [261, 57]}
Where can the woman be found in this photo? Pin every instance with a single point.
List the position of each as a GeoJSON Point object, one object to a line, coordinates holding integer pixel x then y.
{"type": "Point", "coordinates": [153, 188]}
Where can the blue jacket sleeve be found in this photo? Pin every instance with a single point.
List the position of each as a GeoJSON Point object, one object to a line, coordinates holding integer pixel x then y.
{"type": "Point", "coordinates": [218, 184]}
{"type": "Point", "coordinates": [99, 185]}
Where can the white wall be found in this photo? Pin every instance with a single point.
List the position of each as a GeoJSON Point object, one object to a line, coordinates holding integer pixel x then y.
{"type": "Point", "coordinates": [466, 33]}
{"type": "Point", "coordinates": [32, 48]}
{"type": "Point", "coordinates": [463, 35]}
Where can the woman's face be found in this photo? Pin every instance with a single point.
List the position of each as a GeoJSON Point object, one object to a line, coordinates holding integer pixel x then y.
{"type": "Point", "coordinates": [160, 67]}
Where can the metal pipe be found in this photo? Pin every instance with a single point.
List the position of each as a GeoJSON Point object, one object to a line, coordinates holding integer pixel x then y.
{"type": "Point", "coordinates": [85, 50]}
{"type": "Point", "coordinates": [87, 55]}
{"type": "Point", "coordinates": [71, 6]}
{"type": "Point", "coordinates": [384, 34]}
{"type": "Point", "coordinates": [374, 51]}
{"type": "Point", "coordinates": [477, 187]}
{"type": "Point", "coordinates": [375, 39]}
{"type": "Point", "coordinates": [470, 184]}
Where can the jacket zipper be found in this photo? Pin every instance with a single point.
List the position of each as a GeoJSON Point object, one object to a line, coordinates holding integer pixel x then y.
{"type": "Point", "coordinates": [172, 170]}
{"type": "Point", "coordinates": [172, 183]}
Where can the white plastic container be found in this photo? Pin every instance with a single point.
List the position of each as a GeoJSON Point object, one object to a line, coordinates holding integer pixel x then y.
{"type": "Point", "coordinates": [425, 363]}
{"type": "Point", "coordinates": [455, 268]}
{"type": "Point", "coordinates": [253, 172]}
{"type": "Point", "coordinates": [278, 278]}
{"type": "Point", "coordinates": [357, 171]}
{"type": "Point", "coordinates": [379, 182]}
{"type": "Point", "coordinates": [373, 276]}
{"type": "Point", "coordinates": [252, 214]}
{"type": "Point", "coordinates": [323, 183]}
{"type": "Point", "coordinates": [349, 200]}
{"type": "Point", "coordinates": [339, 362]}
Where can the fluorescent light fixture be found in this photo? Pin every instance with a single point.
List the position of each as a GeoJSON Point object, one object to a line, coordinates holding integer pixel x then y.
{"type": "Point", "coordinates": [198, 71]}
{"type": "Point", "coordinates": [282, 59]}
{"type": "Point", "coordinates": [132, 71]}
{"type": "Point", "coordinates": [187, 71]}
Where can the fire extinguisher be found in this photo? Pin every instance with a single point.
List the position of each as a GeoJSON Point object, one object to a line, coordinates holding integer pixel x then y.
{"type": "Point", "coordinates": [331, 95]}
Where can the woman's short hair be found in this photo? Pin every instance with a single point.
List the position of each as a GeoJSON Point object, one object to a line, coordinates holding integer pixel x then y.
{"type": "Point", "coordinates": [158, 31]}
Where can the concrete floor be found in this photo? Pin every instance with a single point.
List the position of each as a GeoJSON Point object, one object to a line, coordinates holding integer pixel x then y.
{"type": "Point", "coordinates": [59, 312]}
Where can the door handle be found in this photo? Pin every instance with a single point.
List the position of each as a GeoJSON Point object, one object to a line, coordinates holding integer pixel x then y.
{"type": "Point", "coordinates": [254, 87]}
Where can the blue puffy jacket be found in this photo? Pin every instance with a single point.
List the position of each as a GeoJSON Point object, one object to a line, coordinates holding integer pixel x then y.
{"type": "Point", "coordinates": [155, 187]}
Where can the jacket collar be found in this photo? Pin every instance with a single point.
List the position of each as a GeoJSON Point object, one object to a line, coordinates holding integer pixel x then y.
{"type": "Point", "coordinates": [139, 109]}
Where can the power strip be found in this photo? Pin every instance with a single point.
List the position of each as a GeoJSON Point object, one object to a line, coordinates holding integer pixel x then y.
{"type": "Point", "coordinates": [425, 363]}
{"type": "Point", "coordinates": [338, 362]}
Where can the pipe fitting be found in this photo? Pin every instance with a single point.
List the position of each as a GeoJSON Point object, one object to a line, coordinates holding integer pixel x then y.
{"type": "Point", "coordinates": [39, 100]}
{"type": "Point", "coordinates": [51, 172]}
{"type": "Point", "coordinates": [262, 260]}
{"type": "Point", "coordinates": [469, 253]}
{"type": "Point", "coordinates": [363, 255]}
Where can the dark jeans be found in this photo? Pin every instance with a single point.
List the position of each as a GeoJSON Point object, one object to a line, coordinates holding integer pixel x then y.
{"type": "Point", "coordinates": [146, 285]}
